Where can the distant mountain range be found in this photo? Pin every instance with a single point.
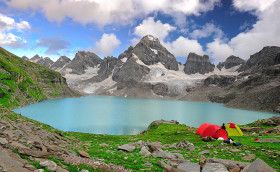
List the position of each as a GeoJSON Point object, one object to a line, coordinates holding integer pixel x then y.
{"type": "Point", "coordinates": [149, 70]}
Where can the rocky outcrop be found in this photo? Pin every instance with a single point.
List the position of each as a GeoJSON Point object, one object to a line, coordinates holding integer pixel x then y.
{"type": "Point", "coordinates": [221, 81]}
{"type": "Point", "coordinates": [35, 58]}
{"type": "Point", "coordinates": [150, 51]}
{"type": "Point", "coordinates": [130, 70]}
{"type": "Point", "coordinates": [40, 60]}
{"type": "Point", "coordinates": [268, 56]}
{"type": "Point", "coordinates": [45, 62]}
{"type": "Point", "coordinates": [106, 69]}
{"type": "Point", "coordinates": [60, 63]}
{"type": "Point", "coordinates": [230, 62]}
{"type": "Point", "coordinates": [83, 60]}
{"type": "Point", "coordinates": [160, 89]}
{"type": "Point", "coordinates": [198, 64]}
{"type": "Point", "coordinates": [25, 58]}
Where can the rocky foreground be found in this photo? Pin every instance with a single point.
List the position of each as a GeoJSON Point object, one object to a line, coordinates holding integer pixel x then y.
{"type": "Point", "coordinates": [27, 145]}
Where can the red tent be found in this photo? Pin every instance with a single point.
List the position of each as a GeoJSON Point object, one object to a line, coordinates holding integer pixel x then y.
{"type": "Point", "coordinates": [214, 131]}
{"type": "Point", "coordinates": [202, 128]}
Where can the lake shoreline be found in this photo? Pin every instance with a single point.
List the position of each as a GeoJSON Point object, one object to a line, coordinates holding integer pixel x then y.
{"type": "Point", "coordinates": [133, 114]}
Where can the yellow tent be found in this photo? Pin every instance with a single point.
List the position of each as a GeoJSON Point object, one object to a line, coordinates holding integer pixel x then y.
{"type": "Point", "coordinates": [233, 130]}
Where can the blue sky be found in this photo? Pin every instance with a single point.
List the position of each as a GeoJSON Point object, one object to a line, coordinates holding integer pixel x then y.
{"type": "Point", "coordinates": [219, 28]}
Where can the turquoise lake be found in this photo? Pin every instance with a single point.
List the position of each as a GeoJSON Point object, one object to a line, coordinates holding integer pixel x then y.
{"type": "Point", "coordinates": [118, 116]}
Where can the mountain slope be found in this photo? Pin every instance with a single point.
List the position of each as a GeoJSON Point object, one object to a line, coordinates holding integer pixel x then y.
{"type": "Point", "coordinates": [23, 82]}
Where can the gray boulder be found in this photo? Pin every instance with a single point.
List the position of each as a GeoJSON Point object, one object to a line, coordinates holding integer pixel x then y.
{"type": "Point", "coordinates": [209, 167]}
{"type": "Point", "coordinates": [126, 147]}
{"type": "Point", "coordinates": [219, 80]}
{"type": "Point", "coordinates": [198, 64]}
{"type": "Point", "coordinates": [258, 166]}
{"type": "Point", "coordinates": [230, 62]}
{"type": "Point", "coordinates": [60, 63]}
{"type": "Point", "coordinates": [83, 60]}
{"type": "Point", "coordinates": [150, 51]}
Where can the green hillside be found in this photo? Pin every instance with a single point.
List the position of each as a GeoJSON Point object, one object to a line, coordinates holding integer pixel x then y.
{"type": "Point", "coordinates": [23, 82]}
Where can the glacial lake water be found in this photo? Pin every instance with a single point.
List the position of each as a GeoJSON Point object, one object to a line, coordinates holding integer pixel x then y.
{"type": "Point", "coordinates": [118, 116]}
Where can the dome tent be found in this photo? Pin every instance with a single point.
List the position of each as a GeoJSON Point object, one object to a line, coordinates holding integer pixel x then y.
{"type": "Point", "coordinates": [233, 130]}
{"type": "Point", "coordinates": [212, 130]}
{"type": "Point", "coordinates": [202, 128]}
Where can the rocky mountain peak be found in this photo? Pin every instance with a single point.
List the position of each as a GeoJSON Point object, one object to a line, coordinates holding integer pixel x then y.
{"type": "Point", "coordinates": [36, 58]}
{"type": "Point", "coordinates": [60, 63]}
{"type": "Point", "coordinates": [25, 58]}
{"type": "Point", "coordinates": [230, 62]}
{"type": "Point", "coordinates": [83, 60]}
{"type": "Point", "coordinates": [150, 51]}
{"type": "Point", "coordinates": [150, 38]}
{"type": "Point", "coordinates": [45, 62]}
{"type": "Point", "coordinates": [268, 56]}
{"type": "Point", "coordinates": [198, 64]}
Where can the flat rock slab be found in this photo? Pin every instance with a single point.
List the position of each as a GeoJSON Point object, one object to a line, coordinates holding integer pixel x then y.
{"type": "Point", "coordinates": [258, 166]}
{"type": "Point", "coordinates": [127, 148]}
{"type": "Point", "coordinates": [11, 161]}
{"type": "Point", "coordinates": [209, 167]}
{"type": "Point", "coordinates": [249, 157]}
{"type": "Point", "coordinates": [167, 155]}
{"type": "Point", "coordinates": [204, 152]}
{"type": "Point", "coordinates": [34, 153]}
{"type": "Point", "coordinates": [228, 163]}
{"type": "Point", "coordinates": [271, 140]}
{"type": "Point", "coordinates": [84, 154]}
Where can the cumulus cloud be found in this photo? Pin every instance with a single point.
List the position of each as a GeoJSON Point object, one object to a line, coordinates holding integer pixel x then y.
{"type": "Point", "coordinates": [53, 45]}
{"type": "Point", "coordinates": [113, 11]}
{"type": "Point", "coordinates": [265, 31]}
{"type": "Point", "coordinates": [106, 45]}
{"type": "Point", "coordinates": [218, 50]}
{"type": "Point", "coordinates": [157, 29]}
{"type": "Point", "coordinates": [209, 29]}
{"type": "Point", "coordinates": [181, 47]}
{"type": "Point", "coordinates": [251, 5]}
{"type": "Point", "coordinates": [9, 30]}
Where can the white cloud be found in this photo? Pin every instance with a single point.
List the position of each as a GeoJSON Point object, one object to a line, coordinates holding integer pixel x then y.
{"type": "Point", "coordinates": [157, 29]}
{"type": "Point", "coordinates": [265, 31]}
{"type": "Point", "coordinates": [219, 50]}
{"type": "Point", "coordinates": [106, 45]}
{"type": "Point", "coordinates": [53, 45]}
{"type": "Point", "coordinates": [7, 28]}
{"type": "Point", "coordinates": [250, 5]}
{"type": "Point", "coordinates": [181, 47]}
{"type": "Point", "coordinates": [209, 29]}
{"type": "Point", "coordinates": [113, 11]}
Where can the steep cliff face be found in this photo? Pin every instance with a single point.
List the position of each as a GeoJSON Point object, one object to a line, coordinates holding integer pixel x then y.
{"type": "Point", "coordinates": [230, 62]}
{"type": "Point", "coordinates": [268, 56]}
{"type": "Point", "coordinates": [60, 63]}
{"type": "Point", "coordinates": [23, 82]}
{"type": "Point", "coordinates": [105, 69]}
{"type": "Point", "coordinates": [198, 64]}
{"type": "Point", "coordinates": [130, 70]}
{"type": "Point", "coordinates": [150, 51]}
{"type": "Point", "coordinates": [83, 60]}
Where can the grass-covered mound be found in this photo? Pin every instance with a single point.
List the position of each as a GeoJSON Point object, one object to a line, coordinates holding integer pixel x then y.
{"type": "Point", "coordinates": [23, 82]}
